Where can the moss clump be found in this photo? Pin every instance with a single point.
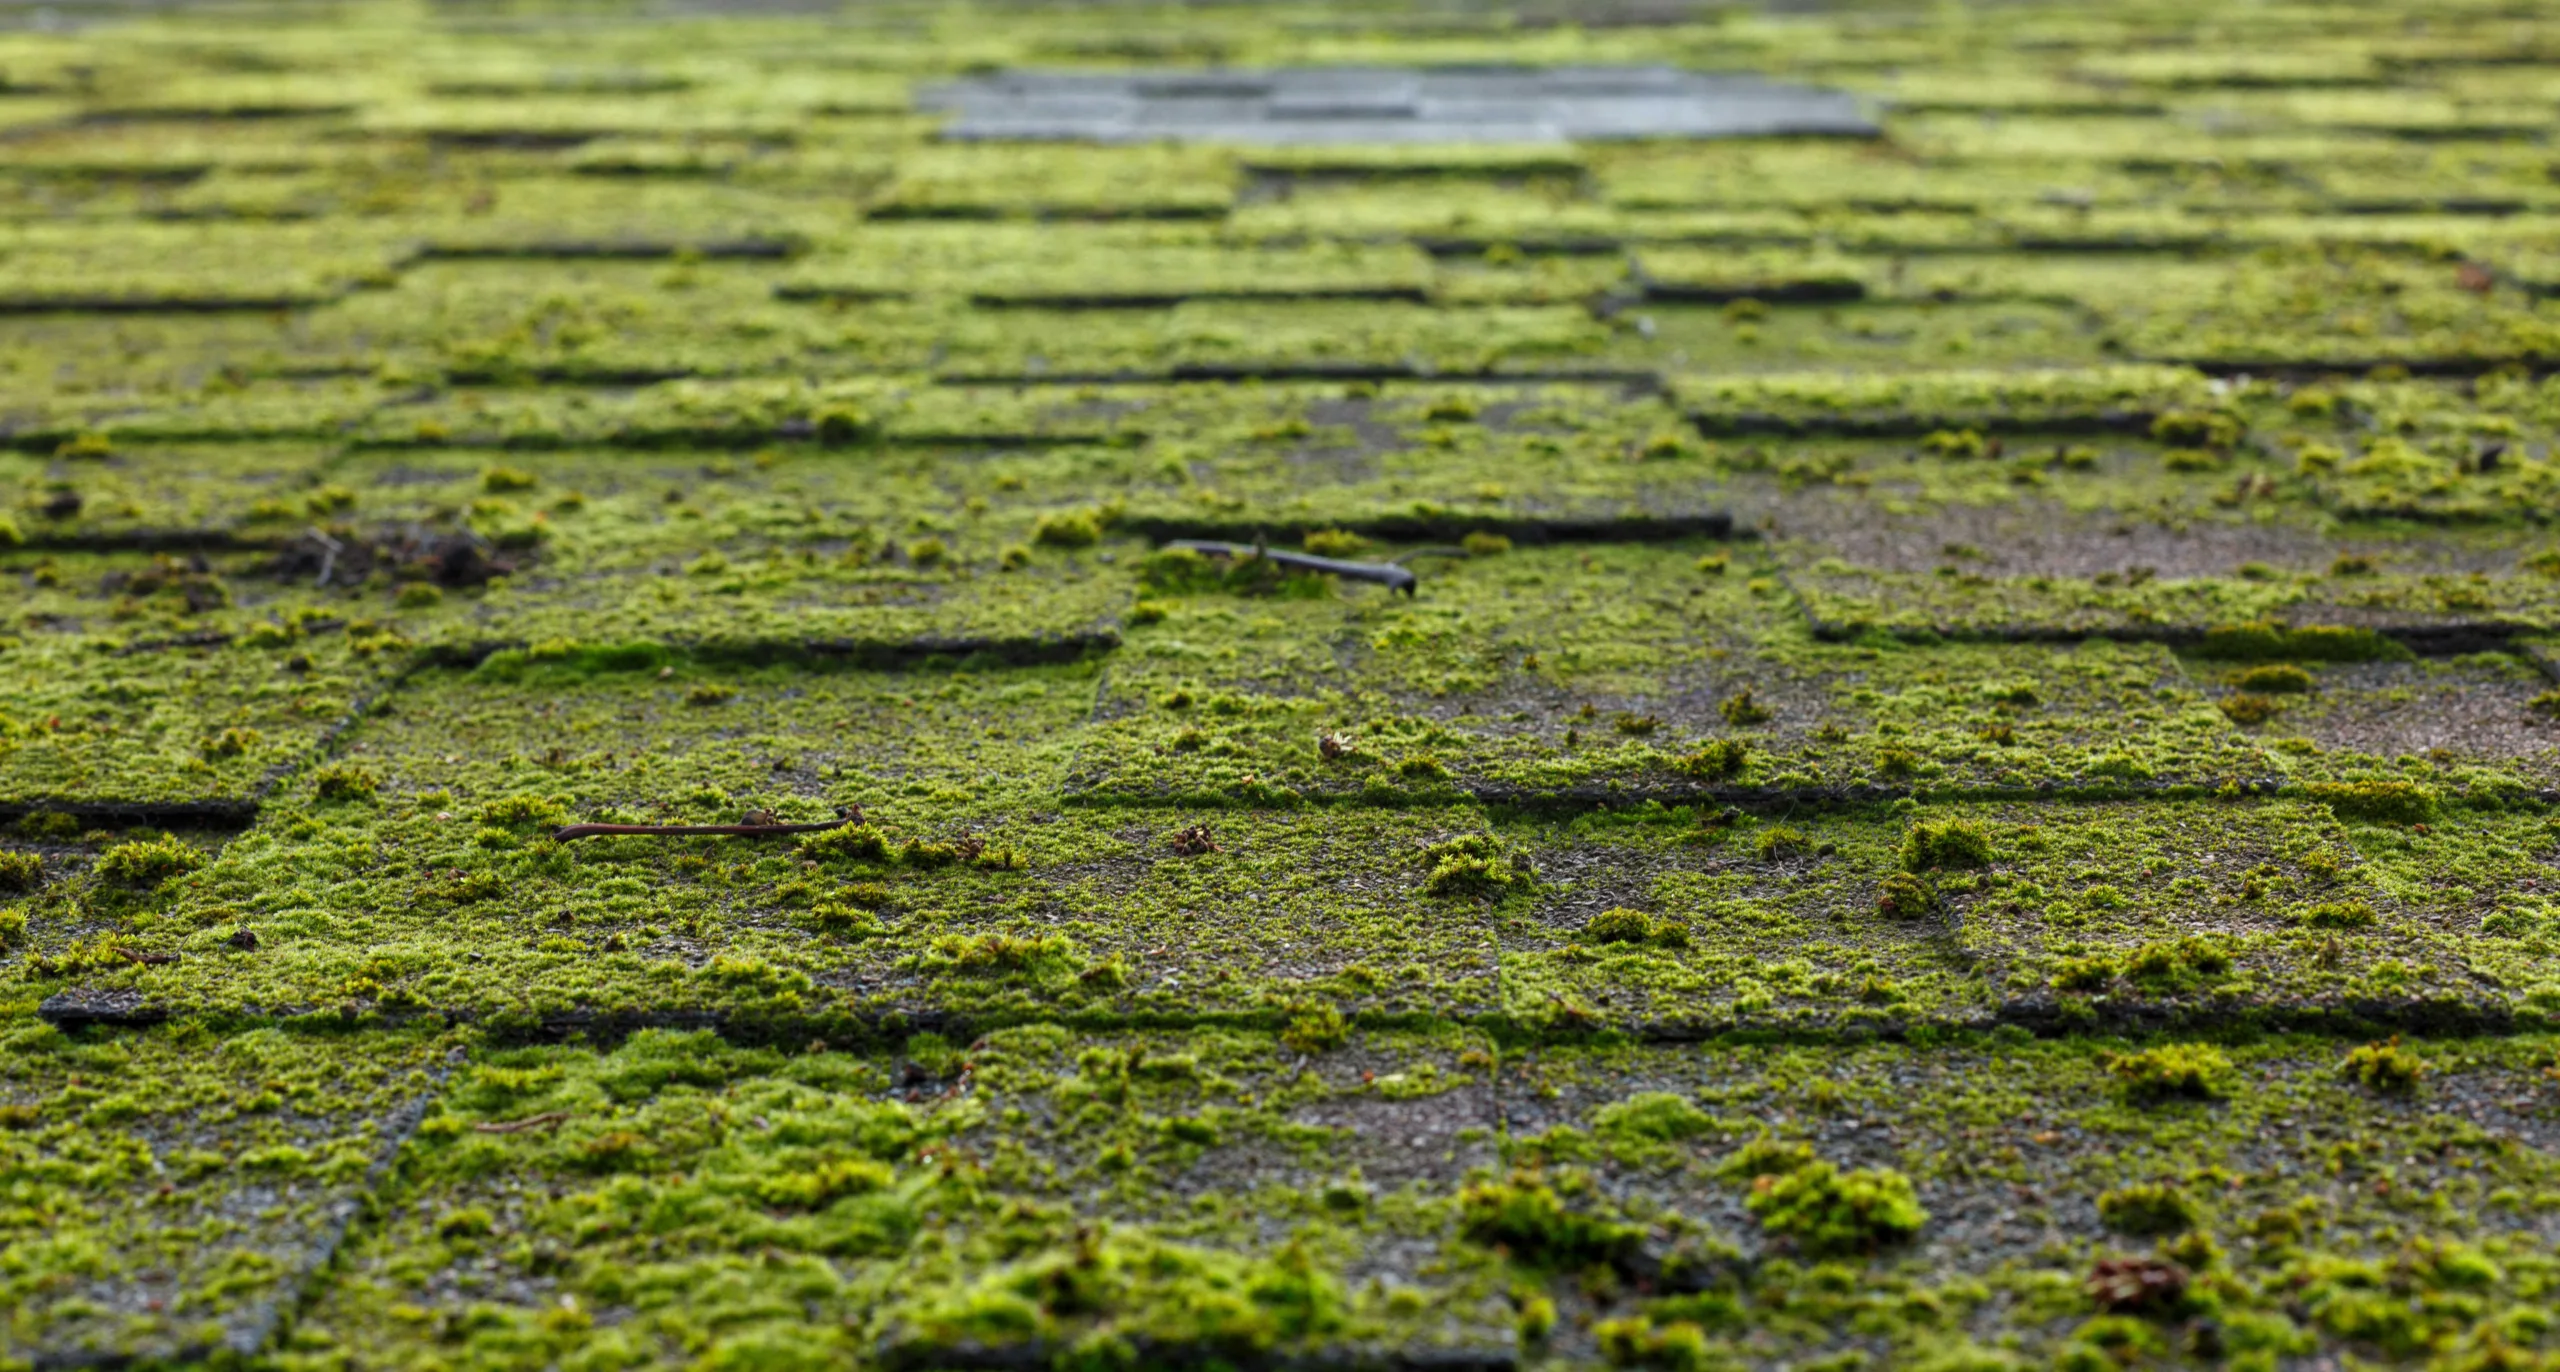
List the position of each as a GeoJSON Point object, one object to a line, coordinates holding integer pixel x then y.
{"type": "Point", "coordinates": [1652, 1117]}
{"type": "Point", "coordinates": [1780, 843]}
{"type": "Point", "coordinates": [2390, 802]}
{"type": "Point", "coordinates": [1526, 1218]}
{"type": "Point", "coordinates": [2274, 678]}
{"type": "Point", "coordinates": [849, 842]}
{"type": "Point", "coordinates": [2384, 1067]}
{"type": "Point", "coordinates": [1315, 1029]}
{"type": "Point", "coordinates": [997, 954]}
{"type": "Point", "coordinates": [1642, 1341]}
{"type": "Point", "coordinates": [502, 480]}
{"type": "Point", "coordinates": [1720, 760]}
{"type": "Point", "coordinates": [20, 871]}
{"type": "Point", "coordinates": [1620, 925]}
{"type": "Point", "coordinates": [2340, 914]}
{"type": "Point", "coordinates": [146, 863]}
{"type": "Point", "coordinates": [1333, 543]}
{"type": "Point", "coordinates": [1764, 1157]}
{"type": "Point", "coordinates": [519, 813]}
{"type": "Point", "coordinates": [843, 920]}
{"type": "Point", "coordinates": [1904, 895]}
{"type": "Point", "coordinates": [1827, 1212]}
{"type": "Point", "coordinates": [1471, 865]}
{"type": "Point", "coordinates": [2191, 1071]}
{"type": "Point", "coordinates": [1933, 845]}
{"type": "Point", "coordinates": [1743, 709]}
{"type": "Point", "coordinates": [1069, 528]}
{"type": "Point", "coordinates": [49, 824]}
{"type": "Point", "coordinates": [2147, 1208]}
{"type": "Point", "coordinates": [2182, 965]}
{"type": "Point", "coordinates": [2270, 642]}
{"type": "Point", "coordinates": [2250, 710]}
{"type": "Point", "coordinates": [2198, 428]}
{"type": "Point", "coordinates": [345, 782]}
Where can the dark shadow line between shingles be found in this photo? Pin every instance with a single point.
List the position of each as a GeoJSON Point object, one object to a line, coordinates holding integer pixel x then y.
{"type": "Point", "coordinates": [2044, 1016]}
{"type": "Point", "coordinates": [2454, 639]}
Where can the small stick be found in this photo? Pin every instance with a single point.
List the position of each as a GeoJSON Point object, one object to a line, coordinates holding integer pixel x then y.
{"type": "Point", "coordinates": [1386, 574]}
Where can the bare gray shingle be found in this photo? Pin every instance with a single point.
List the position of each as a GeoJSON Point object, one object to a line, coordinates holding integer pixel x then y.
{"type": "Point", "coordinates": [1341, 105]}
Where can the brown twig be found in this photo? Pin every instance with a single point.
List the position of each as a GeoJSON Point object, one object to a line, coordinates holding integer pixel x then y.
{"type": "Point", "coordinates": [553, 1120]}
{"type": "Point", "coordinates": [147, 959]}
{"type": "Point", "coordinates": [758, 825]}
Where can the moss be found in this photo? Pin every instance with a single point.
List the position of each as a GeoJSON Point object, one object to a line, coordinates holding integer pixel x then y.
{"type": "Point", "coordinates": [1743, 709]}
{"type": "Point", "coordinates": [1525, 1217]}
{"type": "Point", "coordinates": [1779, 843]}
{"type": "Point", "coordinates": [1953, 844]}
{"type": "Point", "coordinates": [21, 872]}
{"type": "Point", "coordinates": [1069, 529]}
{"type": "Point", "coordinates": [2147, 1208]}
{"type": "Point", "coordinates": [344, 782]}
{"type": "Point", "coordinates": [850, 842]}
{"type": "Point", "coordinates": [1719, 760]}
{"type": "Point", "coordinates": [2390, 802]}
{"type": "Point", "coordinates": [1471, 865]}
{"type": "Point", "coordinates": [1619, 925]}
{"type": "Point", "coordinates": [2338, 914]}
{"type": "Point", "coordinates": [2385, 1067]}
{"type": "Point", "coordinates": [1826, 1212]}
{"type": "Point", "coordinates": [147, 863]}
{"type": "Point", "coordinates": [2169, 1071]}
{"type": "Point", "coordinates": [2264, 642]}
{"type": "Point", "coordinates": [2247, 710]}
{"type": "Point", "coordinates": [1652, 1117]}
{"type": "Point", "coordinates": [1905, 896]}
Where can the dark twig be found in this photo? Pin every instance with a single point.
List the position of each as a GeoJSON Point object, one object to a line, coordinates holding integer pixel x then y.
{"type": "Point", "coordinates": [1386, 574]}
{"type": "Point", "coordinates": [758, 823]}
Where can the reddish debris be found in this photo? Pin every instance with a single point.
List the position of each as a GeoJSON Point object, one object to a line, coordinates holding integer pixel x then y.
{"type": "Point", "coordinates": [2127, 1285]}
{"type": "Point", "coordinates": [1194, 841]}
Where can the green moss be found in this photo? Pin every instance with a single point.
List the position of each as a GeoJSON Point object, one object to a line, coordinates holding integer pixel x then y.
{"type": "Point", "coordinates": [2148, 1208]}
{"type": "Point", "coordinates": [1825, 1211]}
{"type": "Point", "coordinates": [2263, 642]}
{"type": "Point", "coordinates": [2385, 1067]}
{"type": "Point", "coordinates": [147, 863]}
{"type": "Point", "coordinates": [1526, 1217]}
{"type": "Point", "coordinates": [1954, 844]}
{"type": "Point", "coordinates": [2190, 1071]}
{"type": "Point", "coordinates": [1650, 1117]}
{"type": "Point", "coordinates": [2391, 802]}
{"type": "Point", "coordinates": [21, 872]}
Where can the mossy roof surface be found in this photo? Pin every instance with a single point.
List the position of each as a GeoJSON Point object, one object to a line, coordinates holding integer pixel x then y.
{"type": "Point", "coordinates": [1965, 777]}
